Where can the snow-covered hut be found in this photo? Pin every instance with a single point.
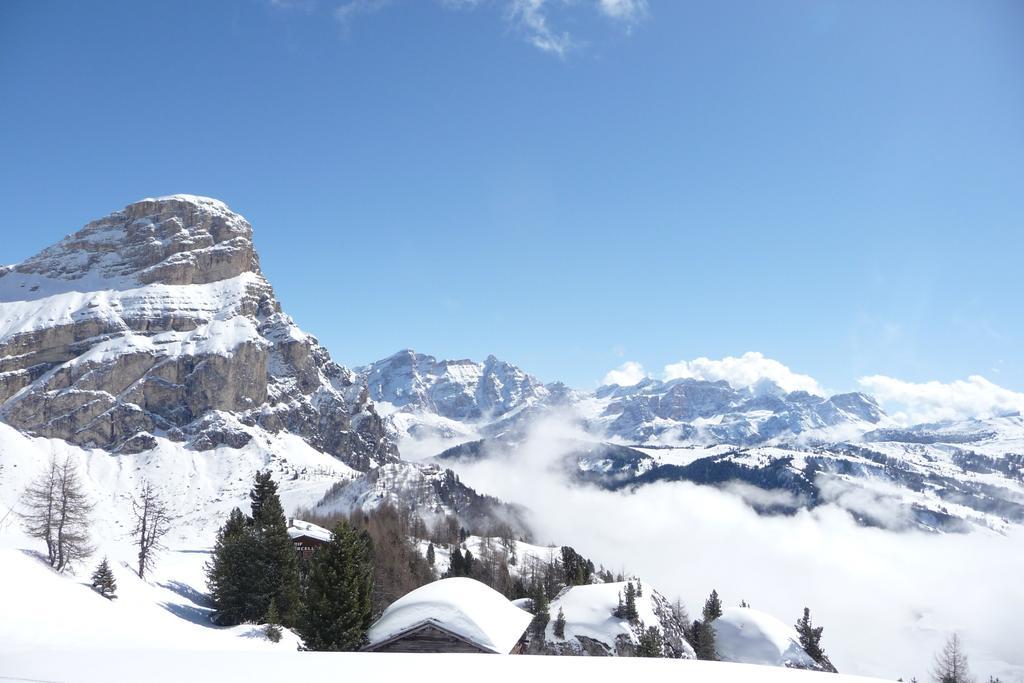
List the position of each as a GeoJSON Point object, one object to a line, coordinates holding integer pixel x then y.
{"type": "Point", "coordinates": [450, 615]}
{"type": "Point", "coordinates": [307, 537]}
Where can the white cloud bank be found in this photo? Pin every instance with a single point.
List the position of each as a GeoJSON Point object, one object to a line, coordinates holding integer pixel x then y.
{"type": "Point", "coordinates": [887, 600]}
{"type": "Point", "coordinates": [906, 402]}
{"type": "Point", "coordinates": [913, 402]}
{"type": "Point", "coordinates": [626, 375]}
{"type": "Point", "coordinates": [745, 371]}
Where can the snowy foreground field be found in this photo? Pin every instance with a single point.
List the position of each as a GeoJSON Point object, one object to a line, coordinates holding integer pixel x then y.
{"type": "Point", "coordinates": [56, 628]}
{"type": "Point", "coordinates": [195, 667]}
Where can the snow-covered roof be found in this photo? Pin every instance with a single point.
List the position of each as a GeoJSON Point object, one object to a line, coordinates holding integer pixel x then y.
{"type": "Point", "coordinates": [299, 528]}
{"type": "Point", "coordinates": [749, 636]}
{"type": "Point", "coordinates": [465, 607]}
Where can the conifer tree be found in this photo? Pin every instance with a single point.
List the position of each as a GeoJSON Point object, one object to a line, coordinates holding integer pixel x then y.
{"type": "Point", "coordinates": [650, 643]}
{"type": "Point", "coordinates": [639, 589]}
{"type": "Point", "coordinates": [278, 561]}
{"type": "Point", "coordinates": [704, 640]}
{"type": "Point", "coordinates": [456, 566]}
{"type": "Point", "coordinates": [467, 563]}
{"type": "Point", "coordinates": [810, 636]}
{"type": "Point", "coordinates": [273, 629]}
{"type": "Point", "coordinates": [233, 573]}
{"type": "Point", "coordinates": [430, 554]}
{"type": "Point", "coordinates": [103, 581]}
{"type": "Point", "coordinates": [541, 608]}
{"type": "Point", "coordinates": [559, 626]}
{"type": "Point", "coordinates": [629, 610]}
{"type": "Point", "coordinates": [337, 608]}
{"type": "Point", "coordinates": [712, 607]}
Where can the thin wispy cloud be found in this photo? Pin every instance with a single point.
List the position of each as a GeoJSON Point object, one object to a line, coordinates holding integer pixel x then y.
{"type": "Point", "coordinates": [531, 19]}
{"type": "Point", "coordinates": [347, 12]}
{"type": "Point", "coordinates": [627, 11]}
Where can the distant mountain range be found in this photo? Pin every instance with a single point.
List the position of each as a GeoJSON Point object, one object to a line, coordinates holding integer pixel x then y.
{"type": "Point", "coordinates": [153, 335]}
{"type": "Point", "coordinates": [841, 449]}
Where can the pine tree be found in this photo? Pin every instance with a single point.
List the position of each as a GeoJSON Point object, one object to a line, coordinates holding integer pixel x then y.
{"type": "Point", "coordinates": [650, 643]}
{"type": "Point", "coordinates": [103, 581]}
{"type": "Point", "coordinates": [713, 607]}
{"type": "Point", "coordinates": [430, 554]}
{"type": "Point", "coordinates": [704, 640]}
{"type": "Point", "coordinates": [576, 569]}
{"type": "Point", "coordinates": [810, 637]}
{"type": "Point", "coordinates": [273, 628]}
{"type": "Point", "coordinates": [639, 589]}
{"type": "Point", "coordinates": [337, 608]}
{"type": "Point", "coordinates": [541, 608]}
{"type": "Point", "coordinates": [233, 573]}
{"type": "Point", "coordinates": [629, 610]}
{"type": "Point", "coordinates": [278, 562]}
{"type": "Point", "coordinates": [559, 626]}
{"type": "Point", "coordinates": [951, 663]}
{"type": "Point", "coordinates": [456, 567]}
{"type": "Point", "coordinates": [467, 563]}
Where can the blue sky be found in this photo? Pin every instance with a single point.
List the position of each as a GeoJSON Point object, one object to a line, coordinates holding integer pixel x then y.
{"type": "Point", "coordinates": [568, 185]}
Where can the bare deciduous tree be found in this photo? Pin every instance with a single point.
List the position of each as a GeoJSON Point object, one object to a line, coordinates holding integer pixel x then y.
{"type": "Point", "coordinates": [58, 513]}
{"type": "Point", "coordinates": [152, 522]}
{"type": "Point", "coordinates": [951, 663]}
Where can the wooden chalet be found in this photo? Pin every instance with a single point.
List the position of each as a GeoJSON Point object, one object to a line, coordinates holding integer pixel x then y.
{"type": "Point", "coordinates": [451, 615]}
{"type": "Point", "coordinates": [307, 537]}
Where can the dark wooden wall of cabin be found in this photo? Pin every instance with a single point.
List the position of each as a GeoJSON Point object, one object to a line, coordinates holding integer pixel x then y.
{"type": "Point", "coordinates": [428, 639]}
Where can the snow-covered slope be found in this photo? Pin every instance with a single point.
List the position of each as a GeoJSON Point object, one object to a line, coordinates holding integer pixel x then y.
{"type": "Point", "coordinates": [156, 321]}
{"type": "Point", "coordinates": [749, 636]}
{"type": "Point", "coordinates": [200, 667]}
{"type": "Point", "coordinates": [43, 611]}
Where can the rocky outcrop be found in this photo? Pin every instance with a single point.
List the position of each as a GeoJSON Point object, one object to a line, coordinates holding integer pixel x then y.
{"type": "Point", "coordinates": [156, 320]}
{"type": "Point", "coordinates": [426, 490]}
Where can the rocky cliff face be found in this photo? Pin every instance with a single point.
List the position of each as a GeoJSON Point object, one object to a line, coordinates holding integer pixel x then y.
{"type": "Point", "coordinates": [156, 321]}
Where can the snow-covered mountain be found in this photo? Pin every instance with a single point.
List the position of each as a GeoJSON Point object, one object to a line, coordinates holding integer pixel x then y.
{"type": "Point", "coordinates": [804, 449]}
{"type": "Point", "coordinates": [157, 322]}
{"type": "Point", "coordinates": [432, 404]}
{"type": "Point", "coordinates": [153, 333]}
{"type": "Point", "coordinates": [692, 410]}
